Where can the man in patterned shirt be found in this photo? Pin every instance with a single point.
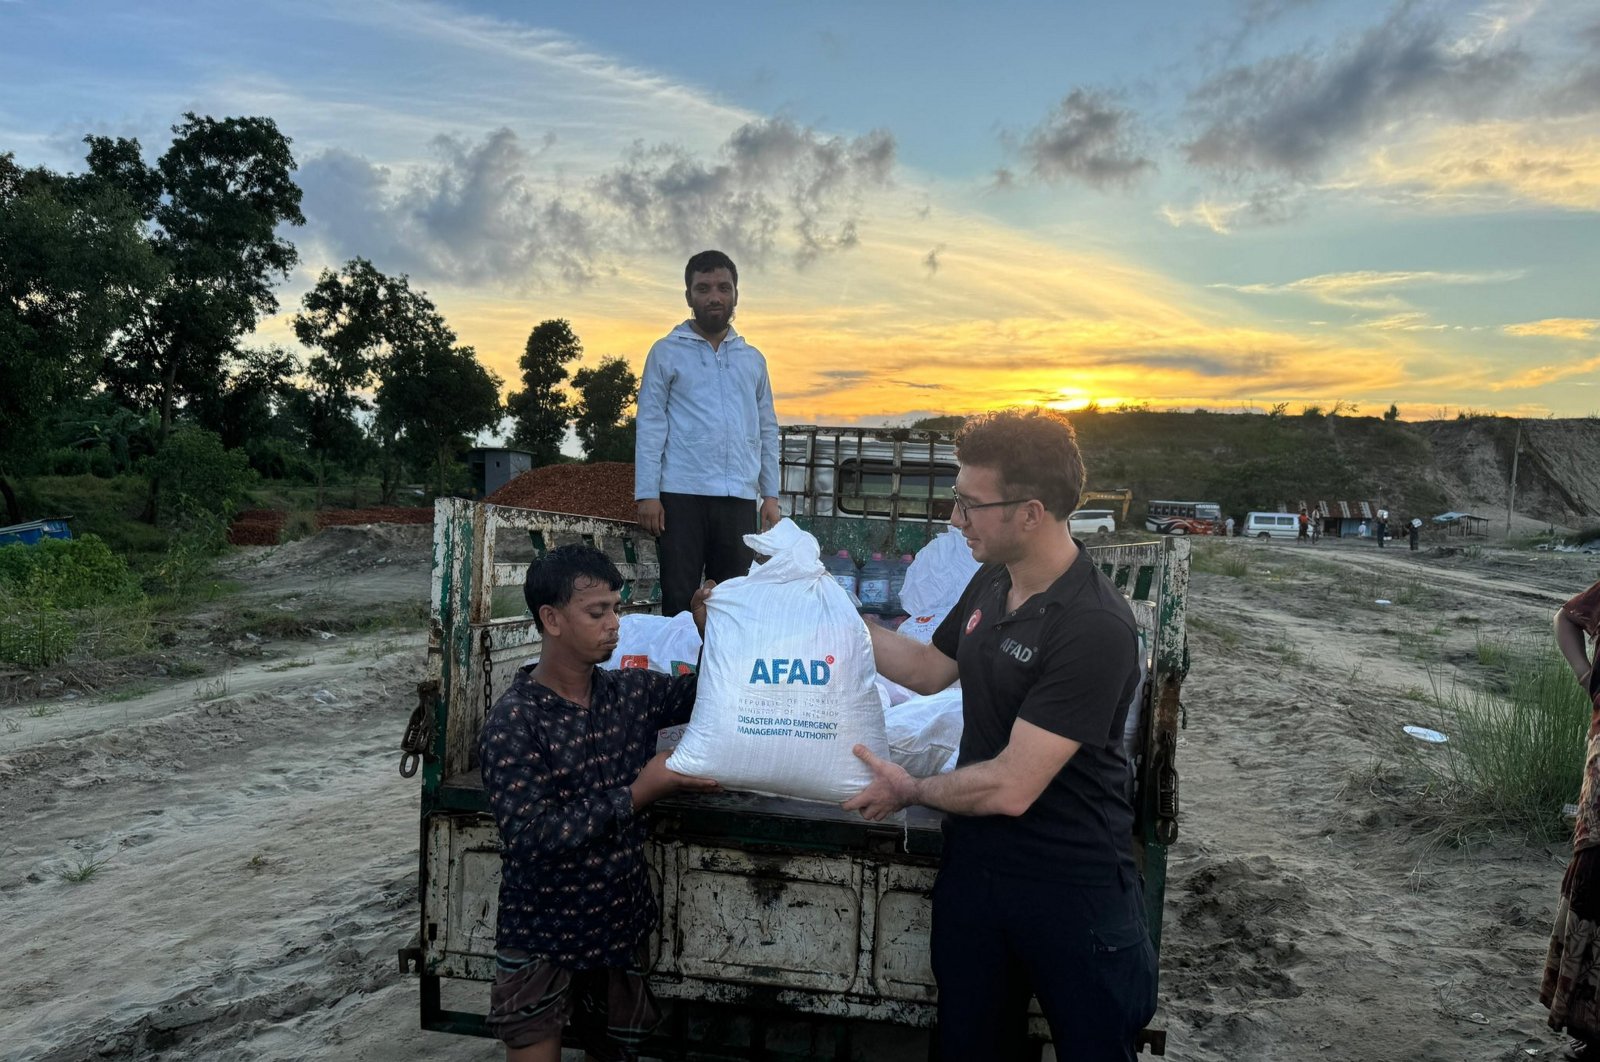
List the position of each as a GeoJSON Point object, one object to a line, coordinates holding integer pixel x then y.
{"type": "Point", "coordinates": [568, 759]}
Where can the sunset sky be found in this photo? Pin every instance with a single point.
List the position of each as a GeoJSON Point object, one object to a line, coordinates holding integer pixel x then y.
{"type": "Point", "coordinates": [935, 207]}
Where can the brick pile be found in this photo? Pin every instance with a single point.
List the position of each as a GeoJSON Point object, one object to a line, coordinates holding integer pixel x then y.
{"type": "Point", "coordinates": [264, 527]}
{"type": "Point", "coordinates": [599, 488]}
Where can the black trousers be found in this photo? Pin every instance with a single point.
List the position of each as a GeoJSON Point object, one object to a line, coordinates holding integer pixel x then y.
{"type": "Point", "coordinates": [1082, 949]}
{"type": "Point", "coordinates": [703, 539]}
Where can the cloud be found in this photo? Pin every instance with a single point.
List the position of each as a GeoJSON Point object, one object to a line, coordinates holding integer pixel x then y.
{"type": "Point", "coordinates": [1557, 328]}
{"type": "Point", "coordinates": [1367, 289]}
{"type": "Point", "coordinates": [1409, 321]}
{"type": "Point", "coordinates": [1292, 114]}
{"type": "Point", "coordinates": [1493, 166]}
{"type": "Point", "coordinates": [473, 216]}
{"type": "Point", "coordinates": [930, 261]}
{"type": "Point", "coordinates": [1271, 205]}
{"type": "Point", "coordinates": [1086, 138]}
{"type": "Point", "coordinates": [1540, 375]}
{"type": "Point", "coordinates": [772, 176]}
{"type": "Point", "coordinates": [492, 211]}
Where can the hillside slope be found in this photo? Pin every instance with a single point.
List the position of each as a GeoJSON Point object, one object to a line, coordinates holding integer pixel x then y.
{"type": "Point", "coordinates": [1256, 461]}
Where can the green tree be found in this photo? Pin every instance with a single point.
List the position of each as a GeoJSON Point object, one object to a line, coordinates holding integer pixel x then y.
{"type": "Point", "coordinates": [1392, 413]}
{"type": "Point", "coordinates": [347, 319]}
{"type": "Point", "coordinates": [73, 263]}
{"type": "Point", "coordinates": [604, 394]}
{"type": "Point", "coordinates": [433, 397]}
{"type": "Point", "coordinates": [216, 200]}
{"type": "Point", "coordinates": [944, 422]}
{"type": "Point", "coordinates": [368, 329]}
{"type": "Point", "coordinates": [201, 474]}
{"type": "Point", "coordinates": [540, 411]}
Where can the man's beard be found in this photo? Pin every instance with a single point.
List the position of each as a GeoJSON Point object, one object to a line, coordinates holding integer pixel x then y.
{"type": "Point", "coordinates": [726, 319]}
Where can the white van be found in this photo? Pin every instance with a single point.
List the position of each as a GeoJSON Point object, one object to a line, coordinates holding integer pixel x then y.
{"type": "Point", "coordinates": [1272, 525]}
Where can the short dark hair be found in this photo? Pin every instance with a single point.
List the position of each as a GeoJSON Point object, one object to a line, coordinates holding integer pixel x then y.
{"type": "Point", "coordinates": [1034, 450]}
{"type": "Point", "coordinates": [552, 578]}
{"type": "Point", "coordinates": [706, 262]}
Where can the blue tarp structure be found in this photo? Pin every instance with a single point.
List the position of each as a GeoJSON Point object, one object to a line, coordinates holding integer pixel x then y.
{"type": "Point", "coordinates": [31, 532]}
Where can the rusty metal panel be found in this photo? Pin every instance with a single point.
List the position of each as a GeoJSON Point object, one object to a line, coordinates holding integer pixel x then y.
{"type": "Point", "coordinates": [461, 897]}
{"type": "Point", "coordinates": [785, 921]}
{"type": "Point", "coordinates": [902, 967]}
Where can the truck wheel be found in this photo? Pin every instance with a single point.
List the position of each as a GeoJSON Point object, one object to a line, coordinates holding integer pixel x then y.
{"type": "Point", "coordinates": [1102, 530]}
{"type": "Point", "coordinates": [1263, 536]}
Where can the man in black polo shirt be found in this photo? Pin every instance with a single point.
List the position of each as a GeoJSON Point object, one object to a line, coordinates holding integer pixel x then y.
{"type": "Point", "coordinates": [1037, 891]}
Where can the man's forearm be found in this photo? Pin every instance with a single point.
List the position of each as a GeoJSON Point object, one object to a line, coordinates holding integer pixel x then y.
{"type": "Point", "coordinates": [982, 789]}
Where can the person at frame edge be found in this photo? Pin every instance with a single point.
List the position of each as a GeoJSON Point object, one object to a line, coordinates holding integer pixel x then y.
{"type": "Point", "coordinates": [569, 761]}
{"type": "Point", "coordinates": [1570, 987]}
{"type": "Point", "coordinates": [706, 446]}
{"type": "Point", "coordinates": [1037, 892]}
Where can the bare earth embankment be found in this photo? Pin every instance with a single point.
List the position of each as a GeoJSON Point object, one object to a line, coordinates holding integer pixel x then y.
{"type": "Point", "coordinates": [248, 849]}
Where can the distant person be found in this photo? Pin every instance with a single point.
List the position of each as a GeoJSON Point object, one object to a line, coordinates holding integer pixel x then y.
{"type": "Point", "coordinates": [1038, 893]}
{"type": "Point", "coordinates": [1414, 532]}
{"type": "Point", "coordinates": [706, 450]}
{"type": "Point", "coordinates": [1316, 526]}
{"type": "Point", "coordinates": [1571, 983]}
{"type": "Point", "coordinates": [569, 760]}
{"type": "Point", "coordinates": [1227, 527]}
{"type": "Point", "coordinates": [1305, 526]}
{"type": "Point", "coordinates": [1363, 531]}
{"type": "Point", "coordinates": [1381, 530]}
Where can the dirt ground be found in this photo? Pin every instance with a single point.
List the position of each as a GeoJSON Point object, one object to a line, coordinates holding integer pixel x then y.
{"type": "Point", "coordinates": [247, 847]}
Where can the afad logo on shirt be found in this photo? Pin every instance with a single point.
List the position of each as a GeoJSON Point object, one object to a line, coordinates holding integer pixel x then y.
{"type": "Point", "coordinates": [781, 672]}
{"type": "Point", "coordinates": [974, 620]}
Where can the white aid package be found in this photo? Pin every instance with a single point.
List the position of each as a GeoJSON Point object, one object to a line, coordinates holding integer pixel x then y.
{"type": "Point", "coordinates": [786, 680]}
{"type": "Point", "coordinates": [938, 574]}
{"type": "Point", "coordinates": [669, 644]}
{"type": "Point", "coordinates": [925, 732]}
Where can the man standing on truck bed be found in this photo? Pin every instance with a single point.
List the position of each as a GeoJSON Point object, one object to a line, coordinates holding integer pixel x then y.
{"type": "Point", "coordinates": [707, 439]}
{"type": "Point", "coordinates": [1037, 891]}
{"type": "Point", "coordinates": [568, 759]}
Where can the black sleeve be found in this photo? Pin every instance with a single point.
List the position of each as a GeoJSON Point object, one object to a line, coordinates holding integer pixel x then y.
{"type": "Point", "coordinates": [947, 639]}
{"type": "Point", "coordinates": [1087, 664]}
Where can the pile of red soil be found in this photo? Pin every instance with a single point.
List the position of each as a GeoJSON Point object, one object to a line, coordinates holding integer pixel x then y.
{"type": "Point", "coordinates": [256, 527]}
{"type": "Point", "coordinates": [601, 488]}
{"type": "Point", "coordinates": [378, 514]}
{"type": "Point", "coordinates": [264, 527]}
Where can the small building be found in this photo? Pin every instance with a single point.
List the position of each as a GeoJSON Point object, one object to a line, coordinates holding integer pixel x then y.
{"type": "Point", "coordinates": [1463, 524]}
{"type": "Point", "coordinates": [1340, 519]}
{"type": "Point", "coordinates": [493, 468]}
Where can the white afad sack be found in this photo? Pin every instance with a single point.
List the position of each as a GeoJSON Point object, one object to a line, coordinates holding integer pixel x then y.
{"type": "Point", "coordinates": [786, 680]}
{"type": "Point", "coordinates": [938, 574]}
{"type": "Point", "coordinates": [925, 732]}
{"type": "Point", "coordinates": [668, 644]}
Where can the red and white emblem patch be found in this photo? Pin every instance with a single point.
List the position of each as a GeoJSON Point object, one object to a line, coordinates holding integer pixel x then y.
{"type": "Point", "coordinates": [972, 621]}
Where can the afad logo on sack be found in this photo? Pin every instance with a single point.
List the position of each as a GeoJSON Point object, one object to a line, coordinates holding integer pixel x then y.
{"type": "Point", "coordinates": [781, 672]}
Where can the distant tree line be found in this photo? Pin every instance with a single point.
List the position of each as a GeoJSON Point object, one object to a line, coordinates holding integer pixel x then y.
{"type": "Point", "coordinates": [128, 293]}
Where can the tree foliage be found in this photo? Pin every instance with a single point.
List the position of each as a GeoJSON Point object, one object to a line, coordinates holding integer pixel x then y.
{"type": "Point", "coordinates": [214, 203]}
{"type": "Point", "coordinates": [366, 328]}
{"type": "Point", "coordinates": [604, 395]}
{"type": "Point", "coordinates": [201, 475]}
{"type": "Point", "coordinates": [72, 262]}
{"type": "Point", "coordinates": [541, 410]}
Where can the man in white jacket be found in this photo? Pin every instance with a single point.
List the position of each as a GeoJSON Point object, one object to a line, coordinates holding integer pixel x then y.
{"type": "Point", "coordinates": [707, 439]}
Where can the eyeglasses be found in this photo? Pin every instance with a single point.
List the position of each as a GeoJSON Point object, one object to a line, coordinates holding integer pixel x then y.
{"type": "Point", "coordinates": [967, 508]}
